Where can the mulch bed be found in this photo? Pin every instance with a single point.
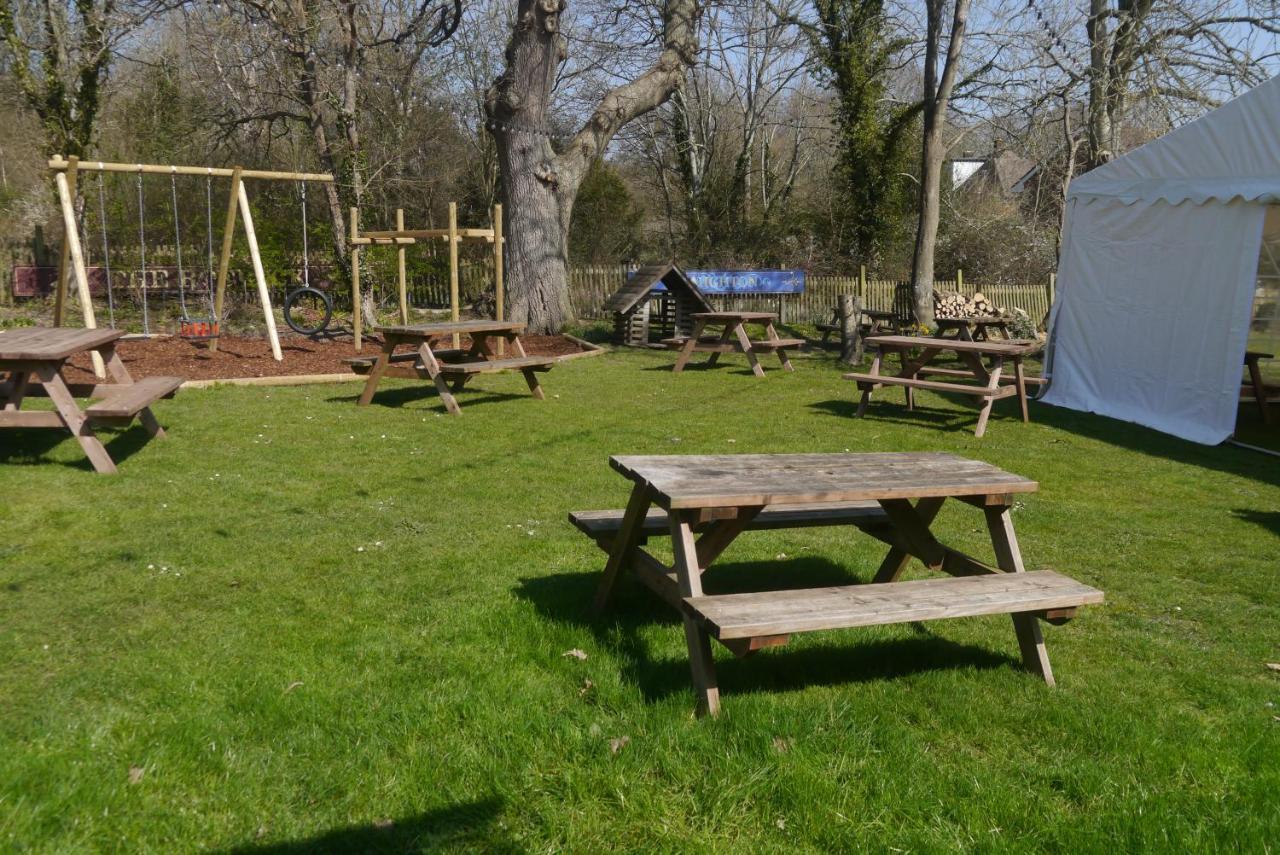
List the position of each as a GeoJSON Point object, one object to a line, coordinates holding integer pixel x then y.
{"type": "Point", "coordinates": [251, 357]}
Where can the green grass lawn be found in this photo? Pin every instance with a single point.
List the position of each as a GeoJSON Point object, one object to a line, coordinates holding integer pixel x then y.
{"type": "Point", "coordinates": [299, 625]}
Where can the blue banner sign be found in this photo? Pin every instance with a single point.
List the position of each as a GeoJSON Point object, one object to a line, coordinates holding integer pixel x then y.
{"type": "Point", "coordinates": [748, 281]}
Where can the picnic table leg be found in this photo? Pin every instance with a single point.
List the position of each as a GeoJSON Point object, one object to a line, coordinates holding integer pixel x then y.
{"type": "Point", "coordinates": [120, 374]}
{"type": "Point", "coordinates": [379, 368]}
{"type": "Point", "coordinates": [993, 383]}
{"type": "Point", "coordinates": [1009, 559]}
{"type": "Point", "coordinates": [724, 339]}
{"type": "Point", "coordinates": [744, 341]}
{"type": "Point", "coordinates": [689, 575]}
{"type": "Point", "coordinates": [530, 376]}
{"type": "Point", "coordinates": [626, 541]}
{"type": "Point", "coordinates": [866, 390]}
{"type": "Point", "coordinates": [898, 558]}
{"type": "Point", "coordinates": [17, 390]}
{"type": "Point", "coordinates": [1021, 378]}
{"type": "Point", "coordinates": [75, 420]}
{"type": "Point", "coordinates": [1259, 389]}
{"type": "Point", "coordinates": [687, 351]}
{"type": "Point", "coordinates": [772, 335]}
{"type": "Point", "coordinates": [442, 386]}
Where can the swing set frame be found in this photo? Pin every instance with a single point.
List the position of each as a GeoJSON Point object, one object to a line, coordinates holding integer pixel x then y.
{"type": "Point", "coordinates": [72, 262]}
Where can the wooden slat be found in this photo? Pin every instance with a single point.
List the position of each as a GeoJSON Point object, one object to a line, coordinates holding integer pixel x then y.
{"type": "Point", "coordinates": [419, 330]}
{"type": "Point", "coordinates": [134, 398]}
{"type": "Point", "coordinates": [728, 616]}
{"type": "Point", "coordinates": [605, 524]}
{"type": "Point", "coordinates": [1004, 348]}
{"type": "Point", "coordinates": [734, 480]}
{"type": "Point", "coordinates": [774, 345]}
{"type": "Point", "coordinates": [51, 343]}
{"type": "Point", "coordinates": [538, 363]}
{"type": "Point", "coordinates": [1002, 391]}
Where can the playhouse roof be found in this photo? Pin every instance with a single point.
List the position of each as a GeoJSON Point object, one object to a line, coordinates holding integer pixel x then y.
{"type": "Point", "coordinates": [640, 283]}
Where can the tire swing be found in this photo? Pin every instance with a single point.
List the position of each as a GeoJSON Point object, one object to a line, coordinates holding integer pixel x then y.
{"type": "Point", "coordinates": [307, 310]}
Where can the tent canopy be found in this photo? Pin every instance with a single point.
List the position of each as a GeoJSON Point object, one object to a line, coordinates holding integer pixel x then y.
{"type": "Point", "coordinates": [1157, 272]}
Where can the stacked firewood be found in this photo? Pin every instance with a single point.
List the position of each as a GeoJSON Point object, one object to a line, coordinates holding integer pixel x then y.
{"type": "Point", "coordinates": [952, 304]}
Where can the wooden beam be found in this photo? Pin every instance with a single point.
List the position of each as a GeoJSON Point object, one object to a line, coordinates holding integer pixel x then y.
{"type": "Point", "coordinates": [60, 294]}
{"type": "Point", "coordinates": [432, 234]}
{"type": "Point", "coordinates": [453, 268]}
{"type": "Point", "coordinates": [58, 164]}
{"type": "Point", "coordinates": [404, 287]}
{"type": "Point", "coordinates": [355, 279]}
{"type": "Point", "coordinates": [224, 260]}
{"type": "Point", "coordinates": [71, 244]}
{"type": "Point", "coordinates": [263, 294]}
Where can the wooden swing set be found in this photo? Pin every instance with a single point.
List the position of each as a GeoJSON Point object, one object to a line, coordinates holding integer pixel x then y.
{"type": "Point", "coordinates": [72, 262]}
{"type": "Point", "coordinates": [400, 237]}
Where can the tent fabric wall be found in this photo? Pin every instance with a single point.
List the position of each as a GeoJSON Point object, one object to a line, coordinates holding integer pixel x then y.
{"type": "Point", "coordinates": [1157, 272]}
{"type": "Point", "coordinates": [1152, 313]}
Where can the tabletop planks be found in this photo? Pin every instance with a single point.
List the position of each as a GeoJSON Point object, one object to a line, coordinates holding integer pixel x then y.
{"type": "Point", "coordinates": [1002, 348]}
{"type": "Point", "coordinates": [741, 480]}
{"type": "Point", "coordinates": [51, 343]}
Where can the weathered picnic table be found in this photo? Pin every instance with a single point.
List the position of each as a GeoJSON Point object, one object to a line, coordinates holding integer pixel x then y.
{"type": "Point", "coordinates": [705, 502]}
{"type": "Point", "coordinates": [972, 329]}
{"type": "Point", "coordinates": [990, 385]}
{"type": "Point", "coordinates": [34, 358]}
{"type": "Point", "coordinates": [733, 338]}
{"type": "Point", "coordinates": [459, 364]}
{"type": "Point", "coordinates": [1257, 388]}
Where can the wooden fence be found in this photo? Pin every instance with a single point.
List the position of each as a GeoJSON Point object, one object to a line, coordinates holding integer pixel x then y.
{"type": "Point", "coordinates": [591, 286]}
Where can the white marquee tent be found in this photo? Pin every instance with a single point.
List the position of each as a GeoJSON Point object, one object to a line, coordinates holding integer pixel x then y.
{"type": "Point", "coordinates": [1158, 270]}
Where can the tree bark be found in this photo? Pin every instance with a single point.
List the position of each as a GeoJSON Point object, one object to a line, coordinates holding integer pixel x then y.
{"type": "Point", "coordinates": [539, 186]}
{"type": "Point", "coordinates": [937, 95]}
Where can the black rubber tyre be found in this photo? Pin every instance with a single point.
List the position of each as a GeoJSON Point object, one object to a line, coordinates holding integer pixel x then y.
{"type": "Point", "coordinates": [308, 311]}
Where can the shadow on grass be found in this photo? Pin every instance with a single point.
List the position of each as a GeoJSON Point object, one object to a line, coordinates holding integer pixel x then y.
{"type": "Point", "coordinates": [400, 395]}
{"type": "Point", "coordinates": [1270, 520]}
{"type": "Point", "coordinates": [566, 598]}
{"type": "Point", "coordinates": [1235, 461]}
{"type": "Point", "coordinates": [467, 825]}
{"type": "Point", "coordinates": [888, 411]}
{"type": "Point", "coordinates": [30, 447]}
{"type": "Point", "coordinates": [703, 365]}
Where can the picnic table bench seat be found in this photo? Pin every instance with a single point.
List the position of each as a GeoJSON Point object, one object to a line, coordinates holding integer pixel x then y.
{"type": "Point", "coordinates": [127, 401]}
{"type": "Point", "coordinates": [1042, 593]}
{"type": "Point", "coordinates": [871, 381]}
{"type": "Point", "coordinates": [602, 526]}
{"type": "Point", "coordinates": [492, 366]}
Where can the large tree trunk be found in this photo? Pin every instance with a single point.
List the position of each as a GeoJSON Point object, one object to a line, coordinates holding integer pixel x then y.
{"type": "Point", "coordinates": [538, 185]}
{"type": "Point", "coordinates": [937, 94]}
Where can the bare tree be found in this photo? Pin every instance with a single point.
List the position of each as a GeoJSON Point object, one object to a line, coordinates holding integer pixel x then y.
{"type": "Point", "coordinates": [539, 185]}
{"type": "Point", "coordinates": [936, 95]}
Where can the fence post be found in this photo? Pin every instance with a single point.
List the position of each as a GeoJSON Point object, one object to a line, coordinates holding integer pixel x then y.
{"type": "Point", "coordinates": [959, 281]}
{"type": "Point", "coordinates": [862, 281]}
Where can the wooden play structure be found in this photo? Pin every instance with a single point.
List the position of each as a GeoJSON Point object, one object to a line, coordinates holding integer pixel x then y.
{"type": "Point", "coordinates": [643, 315]}
{"type": "Point", "coordinates": [65, 172]}
{"type": "Point", "coordinates": [400, 237]}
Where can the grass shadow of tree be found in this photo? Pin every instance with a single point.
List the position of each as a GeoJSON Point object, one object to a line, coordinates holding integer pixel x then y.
{"type": "Point", "coordinates": [467, 825]}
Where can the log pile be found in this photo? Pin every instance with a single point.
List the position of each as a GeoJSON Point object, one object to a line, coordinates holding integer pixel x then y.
{"type": "Point", "coordinates": [952, 304]}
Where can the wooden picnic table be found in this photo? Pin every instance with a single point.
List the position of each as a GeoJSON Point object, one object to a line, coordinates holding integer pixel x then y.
{"type": "Point", "coordinates": [705, 502]}
{"type": "Point", "coordinates": [34, 358]}
{"type": "Point", "coordinates": [972, 329]}
{"type": "Point", "coordinates": [425, 362]}
{"type": "Point", "coordinates": [1260, 391]}
{"type": "Point", "coordinates": [990, 384]}
{"type": "Point", "coordinates": [733, 338]}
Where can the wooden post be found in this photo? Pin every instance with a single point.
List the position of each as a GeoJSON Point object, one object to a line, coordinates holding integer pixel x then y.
{"type": "Point", "coordinates": [862, 281]}
{"type": "Point", "coordinates": [499, 284]}
{"type": "Point", "coordinates": [60, 295]}
{"type": "Point", "coordinates": [959, 280]}
{"type": "Point", "coordinates": [453, 268]}
{"type": "Point", "coordinates": [404, 287]}
{"type": "Point", "coordinates": [356, 325]}
{"type": "Point", "coordinates": [264, 296]}
{"type": "Point", "coordinates": [850, 329]}
{"type": "Point", "coordinates": [224, 260]}
{"type": "Point", "coordinates": [71, 249]}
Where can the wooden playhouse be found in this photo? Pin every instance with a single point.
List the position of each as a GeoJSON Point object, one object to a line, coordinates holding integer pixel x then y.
{"type": "Point", "coordinates": [644, 314]}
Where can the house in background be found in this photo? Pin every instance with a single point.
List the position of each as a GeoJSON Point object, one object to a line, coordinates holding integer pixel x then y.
{"type": "Point", "coordinates": [1002, 172]}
